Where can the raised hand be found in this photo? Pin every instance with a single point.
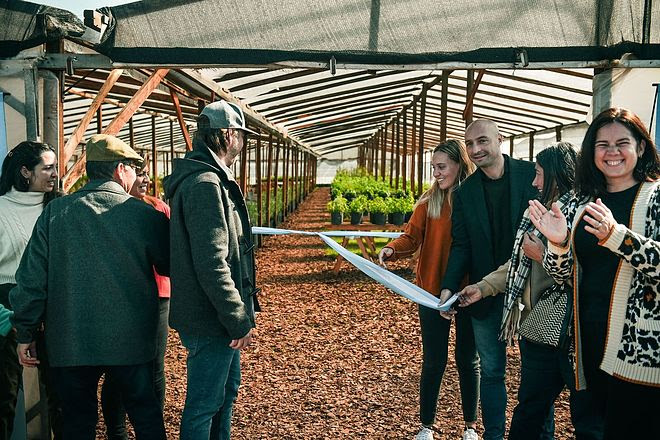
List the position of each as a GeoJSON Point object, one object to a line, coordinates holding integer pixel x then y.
{"type": "Point", "coordinates": [550, 223]}
{"type": "Point", "coordinates": [599, 219]}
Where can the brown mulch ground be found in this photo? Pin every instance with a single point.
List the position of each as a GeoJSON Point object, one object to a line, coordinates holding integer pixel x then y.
{"type": "Point", "coordinates": [335, 356]}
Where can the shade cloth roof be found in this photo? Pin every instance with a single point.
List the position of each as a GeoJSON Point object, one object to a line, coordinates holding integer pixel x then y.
{"type": "Point", "coordinates": [275, 55]}
{"type": "Point", "coordinates": [380, 32]}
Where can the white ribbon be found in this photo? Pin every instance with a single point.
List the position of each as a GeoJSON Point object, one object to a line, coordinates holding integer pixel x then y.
{"type": "Point", "coordinates": [379, 274]}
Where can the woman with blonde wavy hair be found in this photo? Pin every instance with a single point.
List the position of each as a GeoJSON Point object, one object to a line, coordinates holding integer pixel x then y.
{"type": "Point", "coordinates": [429, 230]}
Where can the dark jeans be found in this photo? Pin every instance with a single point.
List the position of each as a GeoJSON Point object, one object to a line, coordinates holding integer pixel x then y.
{"type": "Point", "coordinates": [114, 413]}
{"type": "Point", "coordinates": [77, 387]}
{"type": "Point", "coordinates": [214, 375]}
{"type": "Point", "coordinates": [10, 377]}
{"type": "Point", "coordinates": [435, 341]}
{"type": "Point", "coordinates": [492, 355]}
{"type": "Point", "coordinates": [544, 373]}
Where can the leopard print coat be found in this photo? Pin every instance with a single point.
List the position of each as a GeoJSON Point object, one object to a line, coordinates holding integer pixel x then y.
{"type": "Point", "coordinates": [632, 348]}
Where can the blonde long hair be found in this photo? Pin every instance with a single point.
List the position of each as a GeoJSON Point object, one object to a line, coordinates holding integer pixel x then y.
{"type": "Point", "coordinates": [435, 196]}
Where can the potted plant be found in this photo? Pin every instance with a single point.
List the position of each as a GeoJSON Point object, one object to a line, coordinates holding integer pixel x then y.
{"type": "Point", "coordinates": [377, 210]}
{"type": "Point", "coordinates": [398, 208]}
{"type": "Point", "coordinates": [337, 208]}
{"type": "Point", "coordinates": [356, 208]}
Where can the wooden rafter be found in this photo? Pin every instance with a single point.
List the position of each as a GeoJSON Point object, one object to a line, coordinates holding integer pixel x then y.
{"type": "Point", "coordinates": [79, 132]}
{"type": "Point", "coordinates": [117, 123]}
{"type": "Point", "coordinates": [182, 122]}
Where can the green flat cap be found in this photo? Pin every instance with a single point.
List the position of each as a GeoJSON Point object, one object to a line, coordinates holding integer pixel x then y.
{"type": "Point", "coordinates": [106, 148]}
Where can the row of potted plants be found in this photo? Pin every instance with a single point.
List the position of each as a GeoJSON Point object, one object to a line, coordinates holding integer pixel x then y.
{"type": "Point", "coordinates": [356, 193]}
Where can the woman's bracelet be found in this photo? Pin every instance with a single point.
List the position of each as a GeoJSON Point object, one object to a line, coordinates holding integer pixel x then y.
{"type": "Point", "coordinates": [564, 242]}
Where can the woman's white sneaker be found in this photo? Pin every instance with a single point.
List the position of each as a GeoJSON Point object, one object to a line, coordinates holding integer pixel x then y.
{"type": "Point", "coordinates": [424, 434]}
{"type": "Point", "coordinates": [470, 434]}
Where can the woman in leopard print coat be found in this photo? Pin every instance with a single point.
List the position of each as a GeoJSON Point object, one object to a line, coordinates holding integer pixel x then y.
{"type": "Point", "coordinates": [607, 239]}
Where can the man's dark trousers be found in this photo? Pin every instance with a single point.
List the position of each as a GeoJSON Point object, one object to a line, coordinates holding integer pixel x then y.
{"type": "Point", "coordinates": [78, 388]}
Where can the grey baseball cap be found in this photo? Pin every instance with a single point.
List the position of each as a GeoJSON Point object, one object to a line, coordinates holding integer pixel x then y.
{"type": "Point", "coordinates": [223, 114]}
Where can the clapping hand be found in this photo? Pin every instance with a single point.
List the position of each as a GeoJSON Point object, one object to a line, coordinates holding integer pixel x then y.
{"type": "Point", "coordinates": [599, 219]}
{"type": "Point", "coordinates": [550, 223]}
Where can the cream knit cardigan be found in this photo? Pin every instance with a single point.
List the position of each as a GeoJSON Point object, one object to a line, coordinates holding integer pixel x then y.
{"type": "Point", "coordinates": [18, 214]}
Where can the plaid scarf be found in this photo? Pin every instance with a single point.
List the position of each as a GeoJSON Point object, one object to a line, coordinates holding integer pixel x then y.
{"type": "Point", "coordinates": [520, 266]}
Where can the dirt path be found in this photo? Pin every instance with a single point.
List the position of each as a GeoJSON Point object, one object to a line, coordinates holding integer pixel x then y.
{"type": "Point", "coordinates": [336, 357]}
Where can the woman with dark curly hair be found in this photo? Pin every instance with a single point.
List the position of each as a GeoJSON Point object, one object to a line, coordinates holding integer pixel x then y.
{"type": "Point", "coordinates": [607, 240]}
{"type": "Point", "coordinates": [29, 176]}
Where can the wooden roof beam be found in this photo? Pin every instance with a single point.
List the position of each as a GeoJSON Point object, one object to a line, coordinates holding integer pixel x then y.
{"type": "Point", "coordinates": [140, 96]}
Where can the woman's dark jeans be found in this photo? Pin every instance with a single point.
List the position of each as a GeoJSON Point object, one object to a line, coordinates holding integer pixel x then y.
{"type": "Point", "coordinates": [435, 341]}
{"type": "Point", "coordinates": [544, 374]}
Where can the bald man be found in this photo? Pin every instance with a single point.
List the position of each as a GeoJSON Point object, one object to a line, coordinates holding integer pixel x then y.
{"type": "Point", "coordinates": [487, 208]}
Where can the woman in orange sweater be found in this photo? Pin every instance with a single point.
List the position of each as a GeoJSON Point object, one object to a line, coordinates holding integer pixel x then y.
{"type": "Point", "coordinates": [429, 230]}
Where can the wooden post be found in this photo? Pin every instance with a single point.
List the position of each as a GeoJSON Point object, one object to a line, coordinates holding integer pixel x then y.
{"type": "Point", "coordinates": [131, 134]}
{"type": "Point", "coordinates": [413, 149]}
{"type": "Point", "coordinates": [392, 155]}
{"type": "Point", "coordinates": [285, 181]}
{"type": "Point", "coordinates": [376, 151]}
{"type": "Point", "coordinates": [511, 146]}
{"type": "Point", "coordinates": [154, 158]}
{"type": "Point", "coordinates": [171, 145]}
{"type": "Point", "coordinates": [531, 146]}
{"type": "Point", "coordinates": [404, 163]}
{"type": "Point", "coordinates": [258, 175]}
{"type": "Point", "coordinates": [277, 165]}
{"type": "Point", "coordinates": [383, 146]}
{"type": "Point", "coordinates": [558, 133]}
{"type": "Point", "coordinates": [398, 151]}
{"type": "Point", "coordinates": [443, 105]}
{"type": "Point", "coordinates": [269, 169]}
{"type": "Point", "coordinates": [420, 165]}
{"type": "Point", "coordinates": [99, 120]}
{"type": "Point", "coordinates": [243, 177]}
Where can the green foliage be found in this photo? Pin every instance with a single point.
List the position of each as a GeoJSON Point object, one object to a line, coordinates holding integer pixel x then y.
{"type": "Point", "coordinates": [377, 206]}
{"type": "Point", "coordinates": [339, 204]}
{"type": "Point", "coordinates": [401, 205]}
{"type": "Point", "coordinates": [358, 204]}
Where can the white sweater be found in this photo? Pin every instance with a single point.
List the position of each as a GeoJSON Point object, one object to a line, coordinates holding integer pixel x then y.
{"type": "Point", "coordinates": [18, 214]}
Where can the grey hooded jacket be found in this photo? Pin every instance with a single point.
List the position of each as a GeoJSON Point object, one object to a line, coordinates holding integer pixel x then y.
{"type": "Point", "coordinates": [212, 258]}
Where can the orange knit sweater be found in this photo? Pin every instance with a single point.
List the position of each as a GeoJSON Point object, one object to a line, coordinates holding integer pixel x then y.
{"type": "Point", "coordinates": [434, 238]}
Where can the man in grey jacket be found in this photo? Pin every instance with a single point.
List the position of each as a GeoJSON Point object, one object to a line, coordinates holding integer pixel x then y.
{"type": "Point", "coordinates": [87, 275]}
{"type": "Point", "coordinates": [213, 276]}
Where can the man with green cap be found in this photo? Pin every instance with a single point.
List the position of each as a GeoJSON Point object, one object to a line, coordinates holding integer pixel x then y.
{"type": "Point", "coordinates": [213, 275]}
{"type": "Point", "coordinates": [87, 276]}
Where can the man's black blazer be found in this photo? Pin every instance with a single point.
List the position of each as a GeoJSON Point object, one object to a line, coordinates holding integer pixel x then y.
{"type": "Point", "coordinates": [472, 243]}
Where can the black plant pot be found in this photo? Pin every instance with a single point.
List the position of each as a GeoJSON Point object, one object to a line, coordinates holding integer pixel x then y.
{"type": "Point", "coordinates": [336, 218]}
{"type": "Point", "coordinates": [406, 218]}
{"type": "Point", "coordinates": [377, 218]}
{"type": "Point", "coordinates": [397, 218]}
{"type": "Point", "coordinates": [356, 218]}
